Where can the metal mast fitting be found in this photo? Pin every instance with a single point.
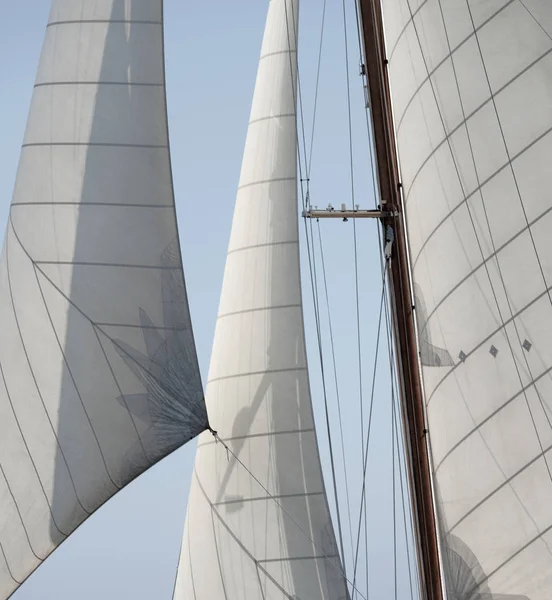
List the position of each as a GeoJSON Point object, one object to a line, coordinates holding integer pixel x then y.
{"type": "Point", "coordinates": [345, 213]}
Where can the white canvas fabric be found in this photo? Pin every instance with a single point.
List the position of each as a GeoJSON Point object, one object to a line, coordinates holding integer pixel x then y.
{"type": "Point", "coordinates": [471, 84]}
{"type": "Point", "coordinates": [98, 370]}
{"type": "Point", "coordinates": [258, 525]}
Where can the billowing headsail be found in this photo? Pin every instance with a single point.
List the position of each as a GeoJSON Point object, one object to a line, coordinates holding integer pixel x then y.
{"type": "Point", "coordinates": [98, 370]}
{"type": "Point", "coordinates": [472, 94]}
{"type": "Point", "coordinates": [258, 524]}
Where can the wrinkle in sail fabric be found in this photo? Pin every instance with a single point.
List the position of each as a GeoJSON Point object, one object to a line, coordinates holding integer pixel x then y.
{"type": "Point", "coordinates": [471, 82]}
{"type": "Point", "coordinates": [98, 370]}
{"type": "Point", "coordinates": [258, 525]}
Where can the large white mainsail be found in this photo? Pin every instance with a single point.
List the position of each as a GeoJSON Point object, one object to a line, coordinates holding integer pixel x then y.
{"type": "Point", "coordinates": [258, 524]}
{"type": "Point", "coordinates": [472, 94]}
{"type": "Point", "coordinates": [98, 370]}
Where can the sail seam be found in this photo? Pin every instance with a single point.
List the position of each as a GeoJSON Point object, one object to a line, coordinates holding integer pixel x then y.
{"type": "Point", "coordinates": [73, 380]}
{"type": "Point", "coordinates": [493, 414]}
{"type": "Point", "coordinates": [409, 22]}
{"type": "Point", "coordinates": [261, 309]}
{"type": "Point", "coordinates": [268, 244]}
{"type": "Point", "coordinates": [449, 56]}
{"type": "Point", "coordinates": [217, 553]}
{"type": "Point", "coordinates": [261, 181]}
{"type": "Point", "coordinates": [235, 538]}
{"type": "Point", "coordinates": [261, 498]}
{"type": "Point", "coordinates": [446, 139]}
{"type": "Point", "coordinates": [502, 485]}
{"type": "Point", "coordinates": [252, 373]}
{"type": "Point", "coordinates": [483, 263]}
{"type": "Point", "coordinates": [95, 329]}
{"type": "Point", "coordinates": [281, 116]}
{"type": "Point", "coordinates": [47, 415]}
{"type": "Point", "coordinates": [16, 418]}
{"type": "Point", "coordinates": [290, 558]}
{"type": "Point", "coordinates": [135, 326]}
{"type": "Point", "coordinates": [126, 83]}
{"type": "Point", "coordinates": [103, 144]}
{"type": "Point", "coordinates": [102, 204]}
{"type": "Point", "coordinates": [107, 21]}
{"type": "Point", "coordinates": [476, 190]}
{"type": "Point", "coordinates": [102, 264]}
{"type": "Point", "coordinates": [276, 53]}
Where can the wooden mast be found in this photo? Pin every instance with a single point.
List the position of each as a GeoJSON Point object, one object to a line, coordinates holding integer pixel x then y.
{"type": "Point", "coordinates": [412, 398]}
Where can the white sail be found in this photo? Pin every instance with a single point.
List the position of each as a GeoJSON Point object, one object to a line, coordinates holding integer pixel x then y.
{"type": "Point", "coordinates": [258, 524]}
{"type": "Point", "coordinates": [98, 370]}
{"type": "Point", "coordinates": [471, 82]}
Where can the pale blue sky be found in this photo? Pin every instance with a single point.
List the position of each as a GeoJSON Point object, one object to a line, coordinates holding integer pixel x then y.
{"type": "Point", "coordinates": [129, 549]}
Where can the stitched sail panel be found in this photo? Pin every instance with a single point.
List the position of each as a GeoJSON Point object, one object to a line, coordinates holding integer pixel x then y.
{"type": "Point", "coordinates": [472, 88]}
{"type": "Point", "coordinates": [98, 370]}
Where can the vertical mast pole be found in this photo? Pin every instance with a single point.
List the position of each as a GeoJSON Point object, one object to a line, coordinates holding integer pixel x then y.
{"type": "Point", "coordinates": [399, 277]}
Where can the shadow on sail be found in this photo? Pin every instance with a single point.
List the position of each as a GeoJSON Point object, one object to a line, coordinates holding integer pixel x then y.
{"type": "Point", "coordinates": [130, 388]}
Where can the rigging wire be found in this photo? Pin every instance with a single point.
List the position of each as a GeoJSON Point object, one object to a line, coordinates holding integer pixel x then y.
{"type": "Point", "coordinates": [362, 513]}
{"type": "Point", "coordinates": [310, 250]}
{"type": "Point", "coordinates": [323, 554]}
{"type": "Point", "coordinates": [336, 385]}
{"type": "Point", "coordinates": [357, 298]}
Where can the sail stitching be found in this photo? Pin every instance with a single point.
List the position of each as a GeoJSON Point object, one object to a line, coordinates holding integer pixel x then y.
{"type": "Point", "coordinates": [122, 396]}
{"type": "Point", "coordinates": [271, 117]}
{"type": "Point", "coordinates": [24, 440]}
{"type": "Point", "coordinates": [487, 220]}
{"type": "Point", "coordinates": [261, 498]}
{"type": "Point", "coordinates": [102, 204]}
{"type": "Point", "coordinates": [530, 235]}
{"type": "Point", "coordinates": [104, 21]}
{"type": "Point", "coordinates": [266, 245]}
{"type": "Point", "coordinates": [229, 450]}
{"type": "Point", "coordinates": [503, 325]}
{"type": "Point", "coordinates": [262, 181]}
{"type": "Point", "coordinates": [530, 411]}
{"type": "Point", "coordinates": [80, 311]}
{"type": "Point", "coordinates": [505, 483]}
{"type": "Point", "coordinates": [260, 309]}
{"type": "Point", "coordinates": [47, 414]}
{"type": "Point", "coordinates": [463, 122]}
{"type": "Point", "coordinates": [80, 263]}
{"type": "Point", "coordinates": [88, 144]}
{"type": "Point", "coordinates": [217, 552]}
{"type": "Point", "coordinates": [66, 362]}
{"type": "Point", "coordinates": [265, 372]}
{"type": "Point", "coordinates": [475, 191]}
{"type": "Point", "coordinates": [125, 83]}
{"type": "Point", "coordinates": [474, 271]}
{"type": "Point", "coordinates": [449, 55]}
{"type": "Point", "coordinates": [276, 53]}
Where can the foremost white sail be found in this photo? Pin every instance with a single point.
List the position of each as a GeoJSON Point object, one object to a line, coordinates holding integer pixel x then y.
{"type": "Point", "coordinates": [471, 82]}
{"type": "Point", "coordinates": [98, 371]}
{"type": "Point", "coordinates": [258, 524]}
